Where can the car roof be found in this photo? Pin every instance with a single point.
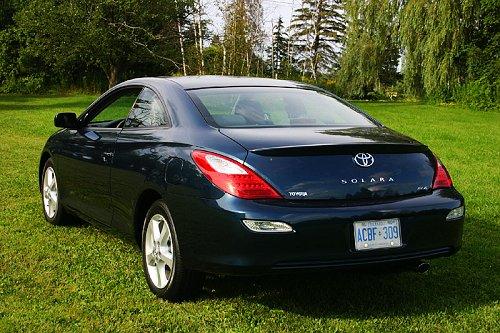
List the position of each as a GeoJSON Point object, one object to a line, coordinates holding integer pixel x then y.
{"type": "Point", "coordinates": [219, 81]}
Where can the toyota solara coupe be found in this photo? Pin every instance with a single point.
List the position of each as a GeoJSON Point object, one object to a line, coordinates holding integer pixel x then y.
{"type": "Point", "coordinates": [247, 176]}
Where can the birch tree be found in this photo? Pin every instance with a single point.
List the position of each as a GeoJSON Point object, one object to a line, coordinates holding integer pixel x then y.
{"type": "Point", "coordinates": [243, 36]}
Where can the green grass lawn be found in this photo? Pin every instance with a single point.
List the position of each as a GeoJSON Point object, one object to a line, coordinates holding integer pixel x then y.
{"type": "Point", "coordinates": [79, 278]}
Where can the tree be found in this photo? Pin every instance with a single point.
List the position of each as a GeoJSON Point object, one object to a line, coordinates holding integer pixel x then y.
{"type": "Point", "coordinates": [10, 41]}
{"type": "Point", "coordinates": [317, 30]}
{"type": "Point", "coordinates": [243, 36]}
{"type": "Point", "coordinates": [199, 33]}
{"type": "Point", "coordinates": [449, 44]}
{"type": "Point", "coordinates": [115, 36]}
{"type": "Point", "coordinates": [279, 50]}
{"type": "Point", "coordinates": [196, 34]}
{"type": "Point", "coordinates": [180, 31]}
{"type": "Point", "coordinates": [371, 53]}
{"type": "Point", "coordinates": [214, 56]}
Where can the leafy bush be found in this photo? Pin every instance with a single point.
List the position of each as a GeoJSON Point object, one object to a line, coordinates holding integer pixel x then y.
{"type": "Point", "coordinates": [26, 85]}
{"type": "Point", "coordinates": [478, 95]}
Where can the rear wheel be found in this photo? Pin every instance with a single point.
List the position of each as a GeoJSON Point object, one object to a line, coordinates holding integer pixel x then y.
{"type": "Point", "coordinates": [52, 209]}
{"type": "Point", "coordinates": [165, 273]}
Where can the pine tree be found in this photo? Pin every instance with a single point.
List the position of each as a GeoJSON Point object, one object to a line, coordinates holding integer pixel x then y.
{"type": "Point", "coordinates": [279, 50]}
{"type": "Point", "coordinates": [317, 30]}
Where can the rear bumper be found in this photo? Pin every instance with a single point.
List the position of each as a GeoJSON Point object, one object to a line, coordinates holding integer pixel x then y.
{"type": "Point", "coordinates": [213, 238]}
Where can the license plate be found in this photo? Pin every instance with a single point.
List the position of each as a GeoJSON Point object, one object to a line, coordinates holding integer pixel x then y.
{"type": "Point", "coordinates": [377, 234]}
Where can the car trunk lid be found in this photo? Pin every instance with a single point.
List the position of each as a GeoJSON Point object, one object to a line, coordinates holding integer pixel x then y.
{"type": "Point", "coordinates": [337, 163]}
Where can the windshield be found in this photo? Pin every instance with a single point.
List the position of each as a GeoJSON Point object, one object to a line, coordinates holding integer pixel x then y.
{"type": "Point", "coordinates": [273, 106]}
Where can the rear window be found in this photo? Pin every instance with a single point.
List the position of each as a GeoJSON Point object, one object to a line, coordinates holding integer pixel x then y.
{"type": "Point", "coordinates": [272, 106]}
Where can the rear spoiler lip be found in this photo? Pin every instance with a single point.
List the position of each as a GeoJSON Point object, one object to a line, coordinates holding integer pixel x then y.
{"type": "Point", "coordinates": [343, 149]}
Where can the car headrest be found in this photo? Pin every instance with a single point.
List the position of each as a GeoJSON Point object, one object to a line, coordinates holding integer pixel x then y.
{"type": "Point", "coordinates": [252, 112]}
{"type": "Point", "coordinates": [229, 120]}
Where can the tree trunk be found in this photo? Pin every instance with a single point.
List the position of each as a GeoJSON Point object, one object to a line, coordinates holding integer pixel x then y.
{"type": "Point", "coordinates": [223, 59]}
{"type": "Point", "coordinates": [195, 32]}
{"type": "Point", "coordinates": [249, 63]}
{"type": "Point", "coordinates": [181, 39]}
{"type": "Point", "coordinates": [200, 37]}
{"type": "Point", "coordinates": [112, 76]}
{"type": "Point", "coordinates": [289, 54]}
{"type": "Point", "coordinates": [181, 44]}
{"type": "Point", "coordinates": [272, 51]}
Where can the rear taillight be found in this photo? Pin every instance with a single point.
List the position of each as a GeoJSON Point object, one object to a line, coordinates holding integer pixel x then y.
{"type": "Point", "coordinates": [233, 177]}
{"type": "Point", "coordinates": [442, 178]}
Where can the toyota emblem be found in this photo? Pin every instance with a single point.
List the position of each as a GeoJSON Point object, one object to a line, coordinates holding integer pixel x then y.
{"type": "Point", "coordinates": [364, 160]}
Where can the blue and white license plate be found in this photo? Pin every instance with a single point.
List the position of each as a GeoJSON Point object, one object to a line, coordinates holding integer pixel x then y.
{"type": "Point", "coordinates": [377, 234]}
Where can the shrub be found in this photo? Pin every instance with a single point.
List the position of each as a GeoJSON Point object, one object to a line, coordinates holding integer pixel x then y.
{"type": "Point", "coordinates": [478, 95]}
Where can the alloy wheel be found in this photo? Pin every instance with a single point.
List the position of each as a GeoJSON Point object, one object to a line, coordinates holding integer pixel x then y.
{"type": "Point", "coordinates": [50, 194]}
{"type": "Point", "coordinates": [158, 247]}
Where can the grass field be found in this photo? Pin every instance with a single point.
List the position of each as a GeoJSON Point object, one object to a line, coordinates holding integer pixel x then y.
{"type": "Point", "coordinates": [79, 278]}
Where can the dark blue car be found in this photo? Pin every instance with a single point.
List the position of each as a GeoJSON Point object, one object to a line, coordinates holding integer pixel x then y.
{"type": "Point", "coordinates": [247, 176]}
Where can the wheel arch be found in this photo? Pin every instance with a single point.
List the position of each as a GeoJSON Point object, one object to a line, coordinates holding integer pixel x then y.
{"type": "Point", "coordinates": [144, 201]}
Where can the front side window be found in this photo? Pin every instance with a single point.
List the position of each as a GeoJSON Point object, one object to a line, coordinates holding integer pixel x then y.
{"type": "Point", "coordinates": [115, 113]}
{"type": "Point", "coordinates": [147, 111]}
{"type": "Point", "coordinates": [275, 107]}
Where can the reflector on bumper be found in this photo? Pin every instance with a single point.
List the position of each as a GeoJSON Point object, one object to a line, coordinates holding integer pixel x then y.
{"type": "Point", "coordinates": [267, 226]}
{"type": "Point", "coordinates": [455, 213]}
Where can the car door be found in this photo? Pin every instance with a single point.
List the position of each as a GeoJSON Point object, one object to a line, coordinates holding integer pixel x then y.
{"type": "Point", "coordinates": [139, 154]}
{"type": "Point", "coordinates": [85, 165]}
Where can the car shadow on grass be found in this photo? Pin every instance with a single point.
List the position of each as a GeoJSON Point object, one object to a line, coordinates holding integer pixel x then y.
{"type": "Point", "coordinates": [462, 281]}
{"type": "Point", "coordinates": [466, 280]}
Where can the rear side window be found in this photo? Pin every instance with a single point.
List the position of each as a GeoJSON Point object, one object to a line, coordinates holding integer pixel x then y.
{"type": "Point", "coordinates": [147, 111]}
{"type": "Point", "coordinates": [274, 106]}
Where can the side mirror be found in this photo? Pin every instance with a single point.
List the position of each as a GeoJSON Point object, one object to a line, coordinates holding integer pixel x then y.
{"type": "Point", "coordinates": [66, 120]}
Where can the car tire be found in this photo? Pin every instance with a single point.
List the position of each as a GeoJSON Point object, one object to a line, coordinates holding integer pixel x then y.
{"type": "Point", "coordinates": [164, 269]}
{"type": "Point", "coordinates": [53, 210]}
